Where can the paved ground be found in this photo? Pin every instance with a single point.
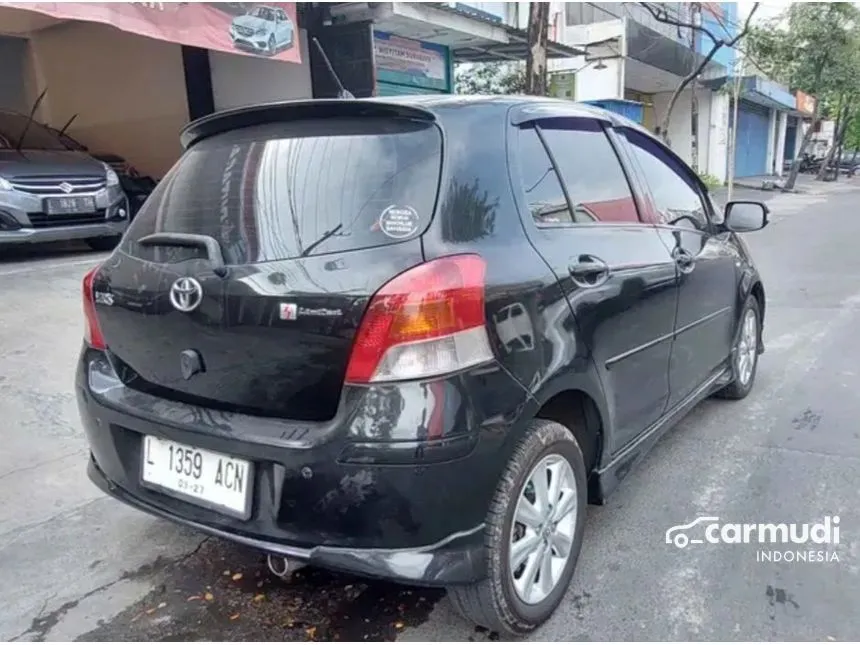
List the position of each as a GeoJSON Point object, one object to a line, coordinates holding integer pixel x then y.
{"type": "Point", "coordinates": [76, 565]}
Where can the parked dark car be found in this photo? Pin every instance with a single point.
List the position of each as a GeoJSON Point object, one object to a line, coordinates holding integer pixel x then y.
{"type": "Point", "coordinates": [413, 338]}
{"type": "Point", "coordinates": [49, 193]}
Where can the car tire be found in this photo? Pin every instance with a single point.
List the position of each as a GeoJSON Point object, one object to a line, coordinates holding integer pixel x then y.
{"type": "Point", "coordinates": [272, 44]}
{"type": "Point", "coordinates": [743, 376]}
{"type": "Point", "coordinates": [496, 603]}
{"type": "Point", "coordinates": [103, 243]}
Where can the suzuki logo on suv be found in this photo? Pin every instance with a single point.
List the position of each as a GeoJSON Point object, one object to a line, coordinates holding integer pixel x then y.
{"type": "Point", "coordinates": [186, 294]}
{"type": "Point", "coordinates": [66, 187]}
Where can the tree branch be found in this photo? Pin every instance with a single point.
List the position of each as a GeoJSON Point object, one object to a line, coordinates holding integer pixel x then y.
{"type": "Point", "coordinates": [664, 127]}
{"type": "Point", "coordinates": [746, 28]}
{"type": "Point", "coordinates": [661, 15]}
{"type": "Point", "coordinates": [717, 44]}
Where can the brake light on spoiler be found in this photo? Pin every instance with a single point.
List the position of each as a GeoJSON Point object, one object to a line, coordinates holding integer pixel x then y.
{"type": "Point", "coordinates": [424, 323]}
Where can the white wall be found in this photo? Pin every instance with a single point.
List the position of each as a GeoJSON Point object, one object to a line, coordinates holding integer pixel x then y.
{"type": "Point", "coordinates": [773, 124]}
{"type": "Point", "coordinates": [607, 83]}
{"type": "Point", "coordinates": [239, 80]}
{"type": "Point", "coordinates": [782, 126]}
{"type": "Point", "coordinates": [594, 32]}
{"type": "Point", "coordinates": [680, 136]}
{"type": "Point", "coordinates": [718, 144]}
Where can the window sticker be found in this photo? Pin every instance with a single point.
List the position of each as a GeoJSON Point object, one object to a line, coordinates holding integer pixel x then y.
{"type": "Point", "coordinates": [399, 222]}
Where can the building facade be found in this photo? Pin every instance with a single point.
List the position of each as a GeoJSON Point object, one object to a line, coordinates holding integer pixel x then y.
{"type": "Point", "coordinates": [633, 56]}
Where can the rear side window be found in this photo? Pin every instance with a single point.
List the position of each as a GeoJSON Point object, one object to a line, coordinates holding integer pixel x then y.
{"type": "Point", "coordinates": [284, 190]}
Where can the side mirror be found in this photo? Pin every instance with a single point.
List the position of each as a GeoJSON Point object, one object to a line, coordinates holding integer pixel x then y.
{"type": "Point", "coordinates": [743, 217]}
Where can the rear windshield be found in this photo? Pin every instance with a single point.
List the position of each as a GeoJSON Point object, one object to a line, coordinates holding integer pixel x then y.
{"type": "Point", "coordinates": [284, 190]}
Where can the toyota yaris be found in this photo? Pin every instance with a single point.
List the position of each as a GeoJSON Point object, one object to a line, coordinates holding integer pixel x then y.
{"type": "Point", "coordinates": [413, 338]}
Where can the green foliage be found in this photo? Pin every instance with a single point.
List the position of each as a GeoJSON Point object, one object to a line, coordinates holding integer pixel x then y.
{"type": "Point", "coordinates": [490, 78]}
{"type": "Point", "coordinates": [709, 180]}
{"type": "Point", "coordinates": [810, 46]}
{"type": "Point", "coordinates": [815, 47]}
{"type": "Point", "coordinates": [852, 135]}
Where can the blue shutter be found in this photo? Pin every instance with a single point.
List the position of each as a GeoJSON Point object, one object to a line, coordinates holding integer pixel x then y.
{"type": "Point", "coordinates": [752, 138]}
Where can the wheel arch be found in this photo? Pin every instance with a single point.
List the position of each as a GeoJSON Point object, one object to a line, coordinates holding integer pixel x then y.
{"type": "Point", "coordinates": [577, 403]}
{"type": "Point", "coordinates": [757, 290]}
{"type": "Point", "coordinates": [751, 285]}
{"type": "Point", "coordinates": [577, 411]}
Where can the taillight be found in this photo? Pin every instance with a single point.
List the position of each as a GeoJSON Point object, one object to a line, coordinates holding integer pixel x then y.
{"type": "Point", "coordinates": [92, 331]}
{"type": "Point", "coordinates": [426, 322]}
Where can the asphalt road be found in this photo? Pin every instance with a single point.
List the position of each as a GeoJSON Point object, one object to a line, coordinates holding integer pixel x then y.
{"type": "Point", "coordinates": [77, 565]}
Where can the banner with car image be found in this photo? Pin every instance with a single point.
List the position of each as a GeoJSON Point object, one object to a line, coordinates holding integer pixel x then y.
{"type": "Point", "coordinates": [259, 29]}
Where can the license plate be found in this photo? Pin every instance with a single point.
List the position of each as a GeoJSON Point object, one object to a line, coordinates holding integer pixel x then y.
{"type": "Point", "coordinates": [69, 205]}
{"type": "Point", "coordinates": [210, 479]}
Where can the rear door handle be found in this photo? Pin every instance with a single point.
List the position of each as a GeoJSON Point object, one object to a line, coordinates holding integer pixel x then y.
{"type": "Point", "coordinates": [589, 271]}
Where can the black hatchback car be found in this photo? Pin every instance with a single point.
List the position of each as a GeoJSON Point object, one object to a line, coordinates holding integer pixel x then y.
{"type": "Point", "coordinates": [413, 338]}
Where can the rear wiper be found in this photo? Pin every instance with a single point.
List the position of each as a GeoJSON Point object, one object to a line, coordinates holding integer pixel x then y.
{"type": "Point", "coordinates": [322, 239]}
{"type": "Point", "coordinates": [190, 240]}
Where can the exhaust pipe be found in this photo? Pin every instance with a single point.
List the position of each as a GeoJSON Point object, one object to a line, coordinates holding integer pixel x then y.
{"type": "Point", "coordinates": [282, 566]}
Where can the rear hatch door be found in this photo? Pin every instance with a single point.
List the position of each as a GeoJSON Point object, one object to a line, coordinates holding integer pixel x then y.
{"type": "Point", "coordinates": [311, 216]}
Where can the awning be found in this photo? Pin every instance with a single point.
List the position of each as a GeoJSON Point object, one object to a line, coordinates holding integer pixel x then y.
{"type": "Point", "coordinates": [515, 49]}
{"type": "Point", "coordinates": [267, 30]}
{"type": "Point", "coordinates": [762, 91]}
{"type": "Point", "coordinates": [470, 36]}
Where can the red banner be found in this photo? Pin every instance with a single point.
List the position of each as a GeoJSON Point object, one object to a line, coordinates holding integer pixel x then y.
{"type": "Point", "coordinates": [266, 30]}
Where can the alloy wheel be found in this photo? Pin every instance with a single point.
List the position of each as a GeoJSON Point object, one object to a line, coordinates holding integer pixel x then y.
{"type": "Point", "coordinates": [543, 529]}
{"type": "Point", "coordinates": [747, 351]}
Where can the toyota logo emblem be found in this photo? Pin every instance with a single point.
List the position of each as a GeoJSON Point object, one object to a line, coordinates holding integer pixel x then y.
{"type": "Point", "coordinates": [186, 294]}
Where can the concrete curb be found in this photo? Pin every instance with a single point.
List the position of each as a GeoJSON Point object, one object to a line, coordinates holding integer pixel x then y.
{"type": "Point", "coordinates": [774, 189]}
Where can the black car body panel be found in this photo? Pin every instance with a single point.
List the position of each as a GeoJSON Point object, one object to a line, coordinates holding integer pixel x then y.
{"type": "Point", "coordinates": [394, 479]}
{"type": "Point", "coordinates": [374, 477]}
{"type": "Point", "coordinates": [299, 363]}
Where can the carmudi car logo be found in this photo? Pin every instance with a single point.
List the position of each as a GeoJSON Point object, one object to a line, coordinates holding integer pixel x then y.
{"type": "Point", "coordinates": [709, 530]}
{"type": "Point", "coordinates": [677, 534]}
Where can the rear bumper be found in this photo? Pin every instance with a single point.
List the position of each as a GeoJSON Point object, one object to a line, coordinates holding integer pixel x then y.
{"type": "Point", "coordinates": [408, 510]}
{"type": "Point", "coordinates": [458, 559]}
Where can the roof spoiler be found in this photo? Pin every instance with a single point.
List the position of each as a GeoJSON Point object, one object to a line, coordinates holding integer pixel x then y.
{"type": "Point", "coordinates": [244, 117]}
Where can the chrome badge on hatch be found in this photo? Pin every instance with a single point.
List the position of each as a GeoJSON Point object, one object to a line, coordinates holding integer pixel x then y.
{"type": "Point", "coordinates": [186, 294]}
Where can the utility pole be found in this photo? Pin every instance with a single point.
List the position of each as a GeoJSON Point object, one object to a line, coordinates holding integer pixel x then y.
{"type": "Point", "coordinates": [696, 20]}
{"type": "Point", "coordinates": [536, 60]}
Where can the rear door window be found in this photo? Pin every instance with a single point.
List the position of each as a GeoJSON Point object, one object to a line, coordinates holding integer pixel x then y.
{"type": "Point", "coordinates": [286, 190]}
{"type": "Point", "coordinates": [580, 155]}
{"type": "Point", "coordinates": [539, 181]}
{"type": "Point", "coordinates": [590, 170]}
